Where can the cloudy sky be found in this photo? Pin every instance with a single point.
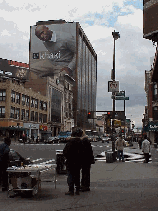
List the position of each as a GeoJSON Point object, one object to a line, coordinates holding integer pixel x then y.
{"type": "Point", "coordinates": [98, 20]}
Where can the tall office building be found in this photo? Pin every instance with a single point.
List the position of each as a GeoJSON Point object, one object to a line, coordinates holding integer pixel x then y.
{"type": "Point", "coordinates": [59, 47]}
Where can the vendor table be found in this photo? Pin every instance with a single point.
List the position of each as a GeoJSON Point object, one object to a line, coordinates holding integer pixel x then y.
{"type": "Point", "coordinates": [26, 180]}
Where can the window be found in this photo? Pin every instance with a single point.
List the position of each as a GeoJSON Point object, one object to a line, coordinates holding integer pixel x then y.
{"type": "Point", "coordinates": [32, 115]}
{"type": "Point", "coordinates": [155, 91]}
{"type": "Point", "coordinates": [17, 113]}
{"type": "Point", "coordinates": [27, 100]}
{"type": "Point", "coordinates": [36, 103]}
{"type": "Point", "coordinates": [12, 112]}
{"type": "Point", "coordinates": [44, 118]}
{"type": "Point", "coordinates": [36, 116]}
{"type": "Point", "coordinates": [13, 96]}
{"type": "Point", "coordinates": [45, 106]}
{"type": "Point", "coordinates": [41, 105]}
{"type": "Point", "coordinates": [32, 102]}
{"type": "Point", "coordinates": [40, 118]}
{"type": "Point", "coordinates": [70, 106]}
{"type": "Point", "coordinates": [27, 115]}
{"type": "Point", "coordinates": [2, 112]}
{"type": "Point", "coordinates": [2, 94]}
{"type": "Point", "coordinates": [23, 99]}
{"type": "Point", "coordinates": [22, 114]}
{"type": "Point", "coordinates": [18, 98]}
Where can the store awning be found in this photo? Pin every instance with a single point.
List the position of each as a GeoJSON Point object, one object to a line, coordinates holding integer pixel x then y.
{"type": "Point", "coordinates": [13, 128]}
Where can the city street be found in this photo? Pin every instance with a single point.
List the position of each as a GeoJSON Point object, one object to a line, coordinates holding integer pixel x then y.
{"type": "Point", "coordinates": [114, 186]}
{"type": "Point", "coordinates": [45, 154]}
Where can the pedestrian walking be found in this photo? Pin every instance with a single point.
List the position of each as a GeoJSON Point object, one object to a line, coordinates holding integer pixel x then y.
{"type": "Point", "coordinates": [140, 143]}
{"type": "Point", "coordinates": [146, 149]}
{"type": "Point", "coordinates": [4, 161]}
{"type": "Point", "coordinates": [37, 139]}
{"type": "Point", "coordinates": [120, 144]}
{"type": "Point", "coordinates": [87, 160]}
{"type": "Point", "coordinates": [73, 153]}
{"type": "Point", "coordinates": [24, 138]}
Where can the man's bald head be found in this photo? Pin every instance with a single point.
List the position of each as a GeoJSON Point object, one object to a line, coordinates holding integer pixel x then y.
{"type": "Point", "coordinates": [43, 33]}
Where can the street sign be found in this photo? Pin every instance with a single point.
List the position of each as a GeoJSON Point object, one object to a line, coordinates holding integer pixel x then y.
{"type": "Point", "coordinates": [121, 93]}
{"type": "Point", "coordinates": [121, 98]}
{"type": "Point", "coordinates": [113, 86]}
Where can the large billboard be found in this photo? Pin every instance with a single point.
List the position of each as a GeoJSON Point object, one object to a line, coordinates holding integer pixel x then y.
{"type": "Point", "coordinates": [53, 49]}
{"type": "Point", "coordinates": [14, 69]}
{"type": "Point", "coordinates": [150, 19]}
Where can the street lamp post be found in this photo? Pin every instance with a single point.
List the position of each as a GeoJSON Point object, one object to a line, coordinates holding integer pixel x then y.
{"type": "Point", "coordinates": [115, 35]}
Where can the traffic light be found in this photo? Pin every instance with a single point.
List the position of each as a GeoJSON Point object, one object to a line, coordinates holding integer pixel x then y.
{"type": "Point", "coordinates": [109, 115]}
{"type": "Point", "coordinates": [122, 131]}
{"type": "Point", "coordinates": [90, 115]}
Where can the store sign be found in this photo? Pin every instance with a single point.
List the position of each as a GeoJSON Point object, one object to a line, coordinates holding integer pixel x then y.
{"type": "Point", "coordinates": [152, 126]}
{"type": "Point", "coordinates": [43, 127]}
{"type": "Point", "coordinates": [117, 123]}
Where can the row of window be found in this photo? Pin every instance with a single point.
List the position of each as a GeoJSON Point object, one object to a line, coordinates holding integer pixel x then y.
{"type": "Point", "coordinates": [34, 116]}
{"type": "Point", "coordinates": [15, 98]}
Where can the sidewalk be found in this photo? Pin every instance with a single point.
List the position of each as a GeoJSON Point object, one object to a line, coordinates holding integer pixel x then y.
{"type": "Point", "coordinates": [114, 186]}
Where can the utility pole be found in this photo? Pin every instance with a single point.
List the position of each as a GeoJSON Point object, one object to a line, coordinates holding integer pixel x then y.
{"type": "Point", "coordinates": [115, 35]}
{"type": "Point", "coordinates": [125, 117]}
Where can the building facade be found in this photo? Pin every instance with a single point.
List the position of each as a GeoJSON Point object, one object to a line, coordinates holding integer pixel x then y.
{"type": "Point", "coordinates": [67, 50]}
{"type": "Point", "coordinates": [22, 110]}
{"type": "Point", "coordinates": [150, 120]}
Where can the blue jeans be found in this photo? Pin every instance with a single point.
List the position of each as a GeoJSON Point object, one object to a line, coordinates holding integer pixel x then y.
{"type": "Point", "coordinates": [120, 155]}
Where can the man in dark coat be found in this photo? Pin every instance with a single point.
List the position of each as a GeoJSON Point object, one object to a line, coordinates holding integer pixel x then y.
{"type": "Point", "coordinates": [87, 160]}
{"type": "Point", "coordinates": [73, 152]}
{"type": "Point", "coordinates": [4, 161]}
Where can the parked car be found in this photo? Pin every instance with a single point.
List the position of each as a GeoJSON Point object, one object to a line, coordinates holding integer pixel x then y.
{"type": "Point", "coordinates": [105, 139]}
{"type": "Point", "coordinates": [64, 136]}
{"type": "Point", "coordinates": [15, 159]}
{"type": "Point", "coordinates": [52, 140]}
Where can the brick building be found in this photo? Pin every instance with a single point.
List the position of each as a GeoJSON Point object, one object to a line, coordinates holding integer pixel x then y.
{"type": "Point", "coordinates": [59, 90]}
{"type": "Point", "coordinates": [22, 110]}
{"type": "Point", "coordinates": [150, 120]}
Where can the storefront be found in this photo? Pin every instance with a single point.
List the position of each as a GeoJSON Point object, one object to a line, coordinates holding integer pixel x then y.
{"type": "Point", "coordinates": [32, 130]}
{"type": "Point", "coordinates": [12, 132]}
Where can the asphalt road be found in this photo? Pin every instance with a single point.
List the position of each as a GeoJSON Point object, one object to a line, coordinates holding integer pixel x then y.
{"type": "Point", "coordinates": [48, 151]}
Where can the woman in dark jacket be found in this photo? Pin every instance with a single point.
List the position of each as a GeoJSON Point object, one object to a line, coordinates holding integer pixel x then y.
{"type": "Point", "coordinates": [87, 160]}
{"type": "Point", "coordinates": [73, 152]}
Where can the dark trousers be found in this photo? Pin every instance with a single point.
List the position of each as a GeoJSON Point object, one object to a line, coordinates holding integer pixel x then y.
{"type": "Point", "coordinates": [3, 175]}
{"type": "Point", "coordinates": [85, 181]}
{"type": "Point", "coordinates": [73, 179]}
{"type": "Point", "coordinates": [146, 155]}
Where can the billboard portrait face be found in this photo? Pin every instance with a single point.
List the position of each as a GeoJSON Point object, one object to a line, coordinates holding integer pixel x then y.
{"type": "Point", "coordinates": [53, 49]}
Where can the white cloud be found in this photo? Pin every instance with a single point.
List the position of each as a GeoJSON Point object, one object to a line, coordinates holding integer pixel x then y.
{"type": "Point", "coordinates": [135, 19]}
{"type": "Point", "coordinates": [5, 33]}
